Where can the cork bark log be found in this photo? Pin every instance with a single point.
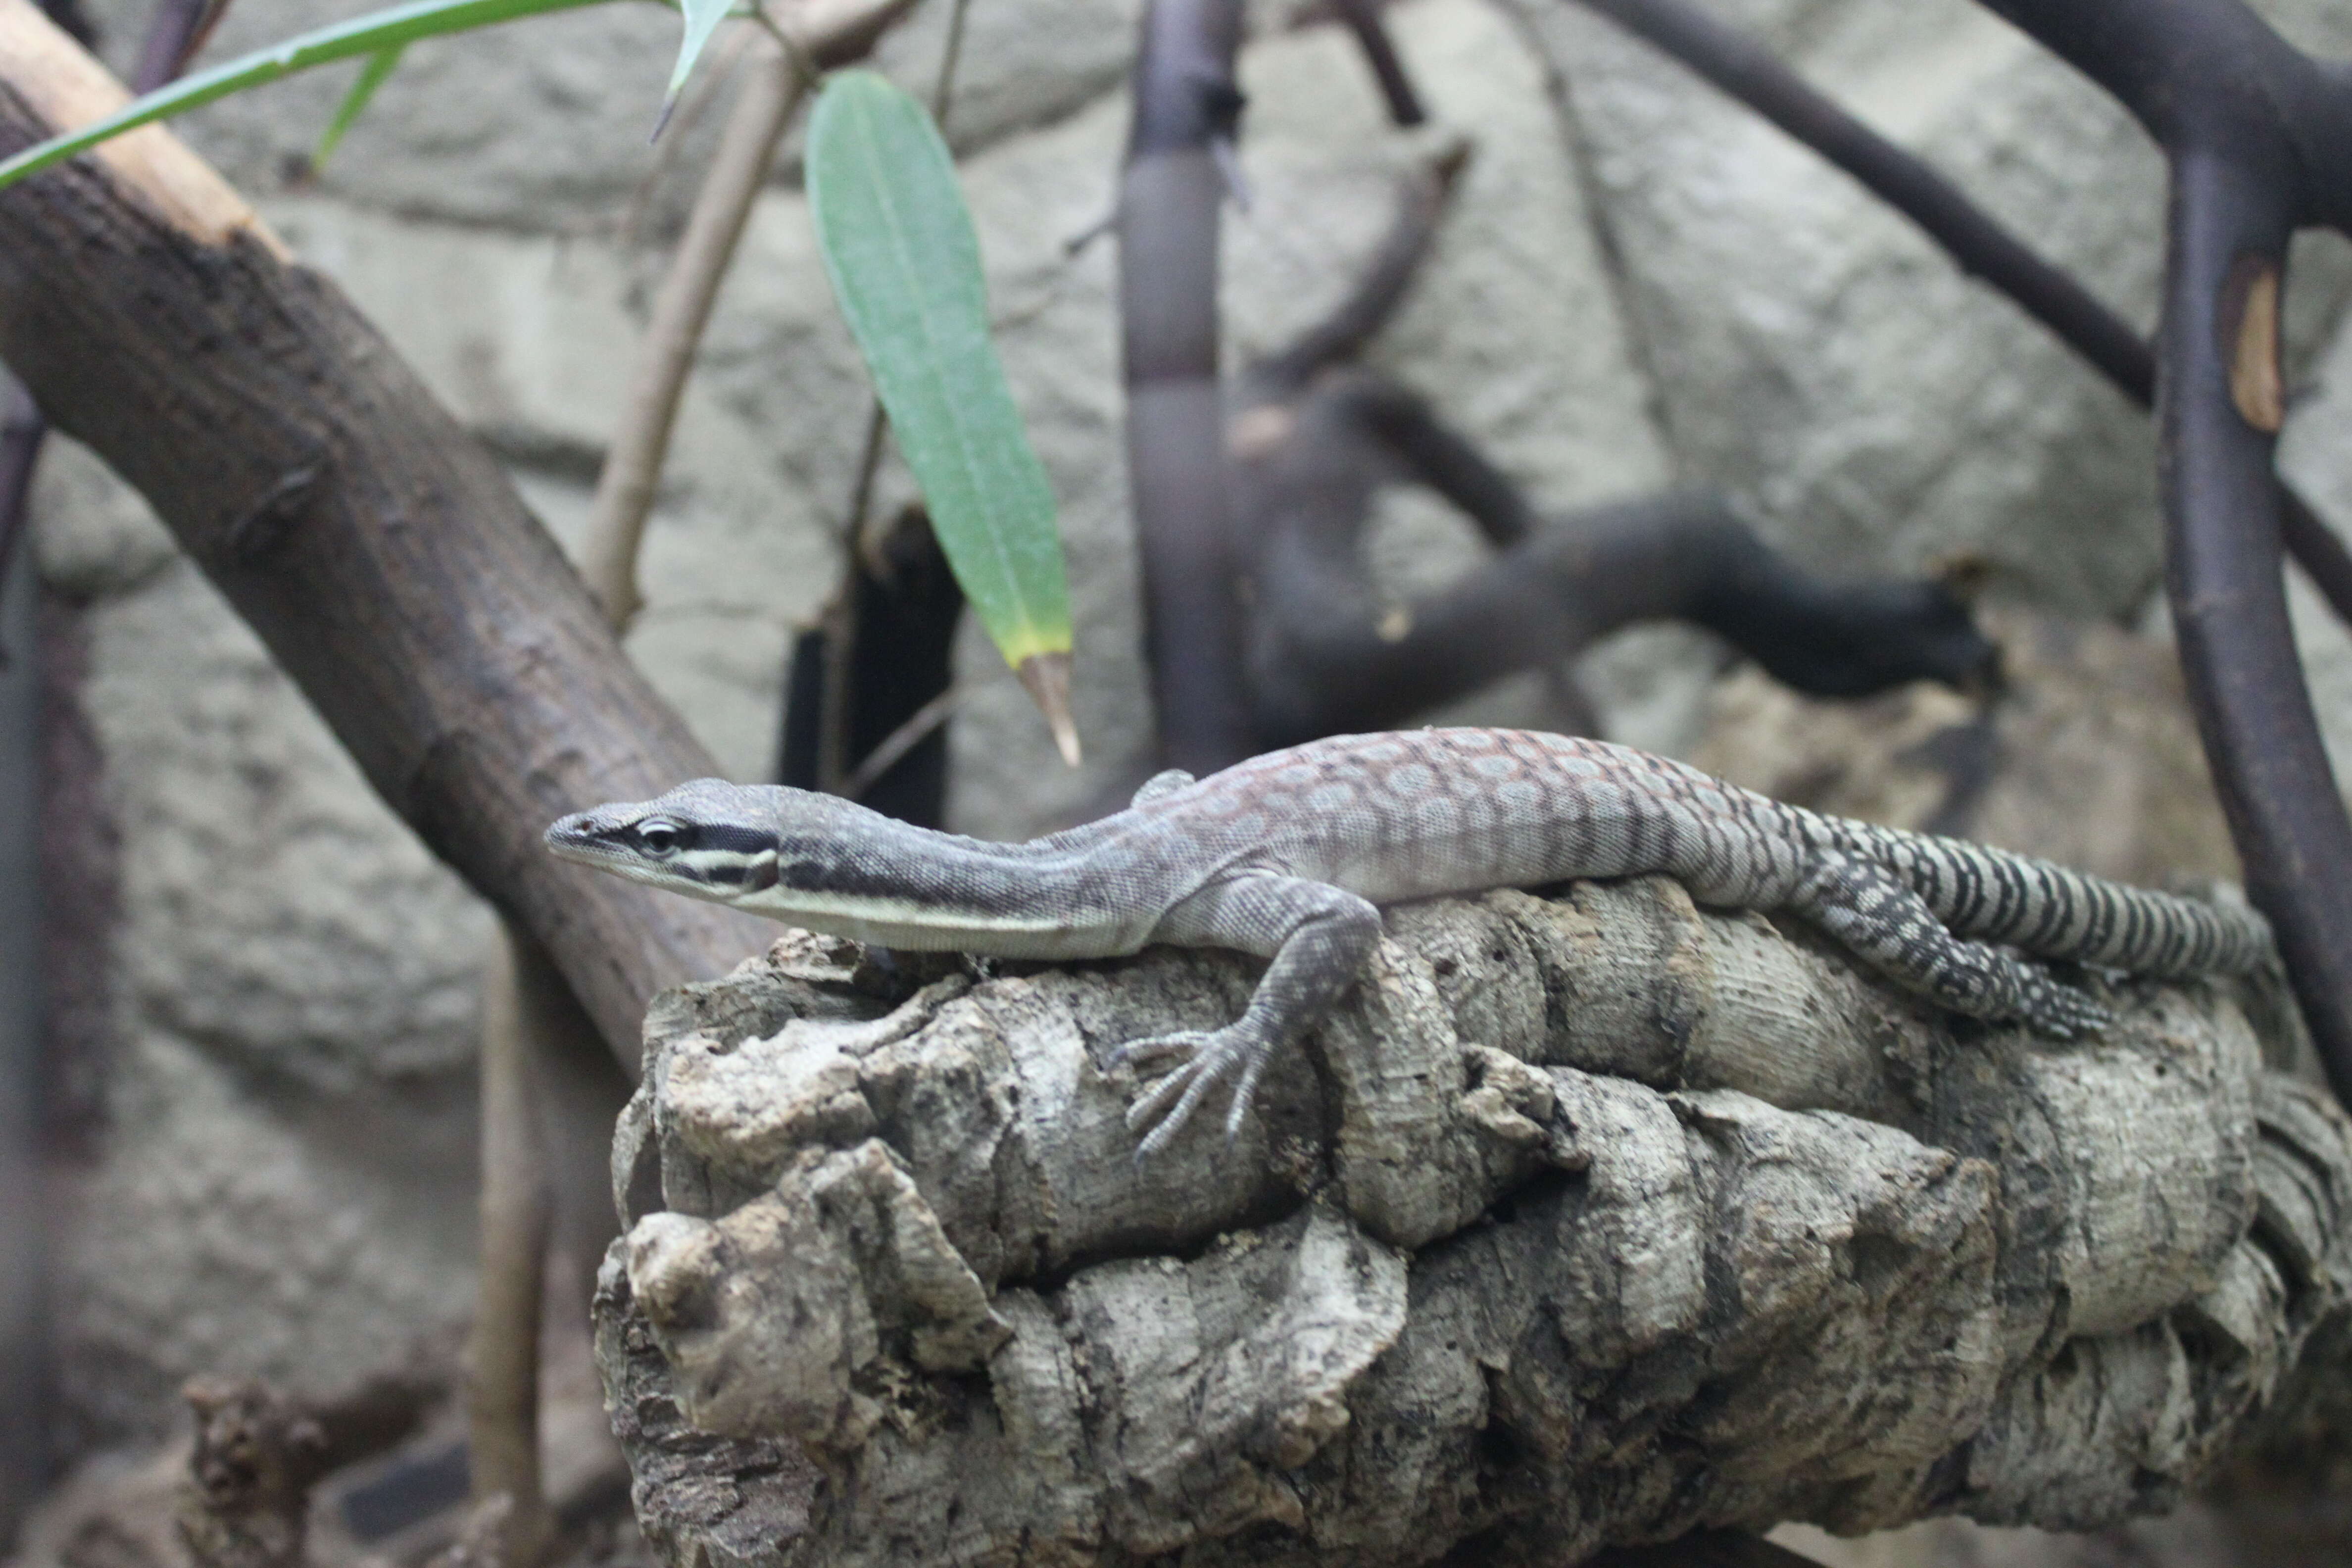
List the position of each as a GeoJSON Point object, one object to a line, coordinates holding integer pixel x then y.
{"type": "Point", "coordinates": [374, 545]}
{"type": "Point", "coordinates": [1586, 1220]}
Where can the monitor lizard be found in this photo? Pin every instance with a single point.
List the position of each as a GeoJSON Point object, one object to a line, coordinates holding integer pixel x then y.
{"type": "Point", "coordinates": [1287, 855]}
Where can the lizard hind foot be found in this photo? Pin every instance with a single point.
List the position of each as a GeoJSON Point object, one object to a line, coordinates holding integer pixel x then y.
{"type": "Point", "coordinates": [2062, 1012]}
{"type": "Point", "coordinates": [1207, 1057]}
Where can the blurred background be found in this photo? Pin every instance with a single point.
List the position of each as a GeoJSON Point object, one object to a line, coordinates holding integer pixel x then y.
{"type": "Point", "coordinates": [256, 1052]}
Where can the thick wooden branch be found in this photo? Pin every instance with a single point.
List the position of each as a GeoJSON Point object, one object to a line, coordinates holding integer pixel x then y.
{"type": "Point", "coordinates": [1583, 1222]}
{"type": "Point", "coordinates": [375, 546]}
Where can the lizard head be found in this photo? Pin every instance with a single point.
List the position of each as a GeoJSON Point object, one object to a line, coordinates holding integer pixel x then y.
{"type": "Point", "coordinates": [812, 860]}
{"type": "Point", "coordinates": [709, 838]}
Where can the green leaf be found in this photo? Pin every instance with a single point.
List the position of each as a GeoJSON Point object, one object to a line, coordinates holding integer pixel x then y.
{"type": "Point", "coordinates": [904, 266]}
{"type": "Point", "coordinates": [380, 66]}
{"type": "Point", "coordinates": [368, 35]}
{"type": "Point", "coordinates": [702, 19]}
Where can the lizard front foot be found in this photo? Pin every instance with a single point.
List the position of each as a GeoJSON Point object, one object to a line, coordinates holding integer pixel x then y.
{"type": "Point", "coordinates": [1206, 1057]}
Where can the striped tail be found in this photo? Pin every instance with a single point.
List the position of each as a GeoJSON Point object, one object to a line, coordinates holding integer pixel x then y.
{"type": "Point", "coordinates": [2049, 912]}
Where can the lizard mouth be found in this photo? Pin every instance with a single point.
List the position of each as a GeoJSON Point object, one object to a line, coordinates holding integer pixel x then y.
{"type": "Point", "coordinates": [575, 837]}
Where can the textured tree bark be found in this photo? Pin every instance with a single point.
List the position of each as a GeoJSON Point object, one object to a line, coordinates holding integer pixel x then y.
{"type": "Point", "coordinates": [373, 545]}
{"type": "Point", "coordinates": [1584, 1221]}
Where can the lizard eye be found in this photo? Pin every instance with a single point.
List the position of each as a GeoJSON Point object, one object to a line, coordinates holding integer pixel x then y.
{"type": "Point", "coordinates": [660, 836]}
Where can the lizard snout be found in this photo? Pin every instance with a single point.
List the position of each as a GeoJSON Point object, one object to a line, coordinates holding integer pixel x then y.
{"type": "Point", "coordinates": [573, 838]}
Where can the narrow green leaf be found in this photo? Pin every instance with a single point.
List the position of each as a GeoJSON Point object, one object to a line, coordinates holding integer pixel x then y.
{"type": "Point", "coordinates": [372, 74]}
{"type": "Point", "coordinates": [702, 19]}
{"type": "Point", "coordinates": [904, 266]}
{"type": "Point", "coordinates": [368, 35]}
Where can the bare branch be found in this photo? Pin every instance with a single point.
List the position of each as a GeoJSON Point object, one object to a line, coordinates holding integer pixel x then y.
{"type": "Point", "coordinates": [1330, 652]}
{"type": "Point", "coordinates": [1363, 19]}
{"type": "Point", "coordinates": [919, 727]}
{"type": "Point", "coordinates": [1327, 659]}
{"type": "Point", "coordinates": [1186, 105]}
{"type": "Point", "coordinates": [373, 545]}
{"type": "Point", "coordinates": [1379, 289]}
{"type": "Point", "coordinates": [827, 33]}
{"type": "Point", "coordinates": [517, 1216]}
{"type": "Point", "coordinates": [773, 85]}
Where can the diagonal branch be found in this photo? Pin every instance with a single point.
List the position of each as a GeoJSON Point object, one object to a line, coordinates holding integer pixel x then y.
{"type": "Point", "coordinates": [376, 548]}
{"type": "Point", "coordinates": [174, 35]}
{"type": "Point", "coordinates": [1363, 19]}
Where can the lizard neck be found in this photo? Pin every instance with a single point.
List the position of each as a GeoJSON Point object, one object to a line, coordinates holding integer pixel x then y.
{"type": "Point", "coordinates": [851, 872]}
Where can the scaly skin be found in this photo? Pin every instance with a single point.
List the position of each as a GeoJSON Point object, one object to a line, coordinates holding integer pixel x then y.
{"type": "Point", "coordinates": [1288, 855]}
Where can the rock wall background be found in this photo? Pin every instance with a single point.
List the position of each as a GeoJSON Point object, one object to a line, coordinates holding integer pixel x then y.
{"type": "Point", "coordinates": [1640, 286]}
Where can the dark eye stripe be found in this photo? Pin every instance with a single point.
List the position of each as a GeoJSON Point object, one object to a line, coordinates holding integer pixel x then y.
{"type": "Point", "coordinates": [733, 838]}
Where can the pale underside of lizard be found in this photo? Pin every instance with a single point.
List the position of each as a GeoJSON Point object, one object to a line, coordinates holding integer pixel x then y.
{"type": "Point", "coordinates": [1289, 856]}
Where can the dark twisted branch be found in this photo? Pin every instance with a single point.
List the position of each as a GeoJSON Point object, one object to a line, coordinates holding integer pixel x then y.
{"type": "Point", "coordinates": [1674, 557]}
{"type": "Point", "coordinates": [2260, 139]}
{"type": "Point", "coordinates": [1746, 70]}
{"type": "Point", "coordinates": [2228, 229]}
{"type": "Point", "coordinates": [1315, 439]}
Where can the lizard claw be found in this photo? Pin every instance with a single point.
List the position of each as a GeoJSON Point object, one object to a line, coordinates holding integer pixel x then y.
{"type": "Point", "coordinates": [1209, 1056]}
{"type": "Point", "coordinates": [1183, 1043]}
{"type": "Point", "coordinates": [2065, 1013]}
